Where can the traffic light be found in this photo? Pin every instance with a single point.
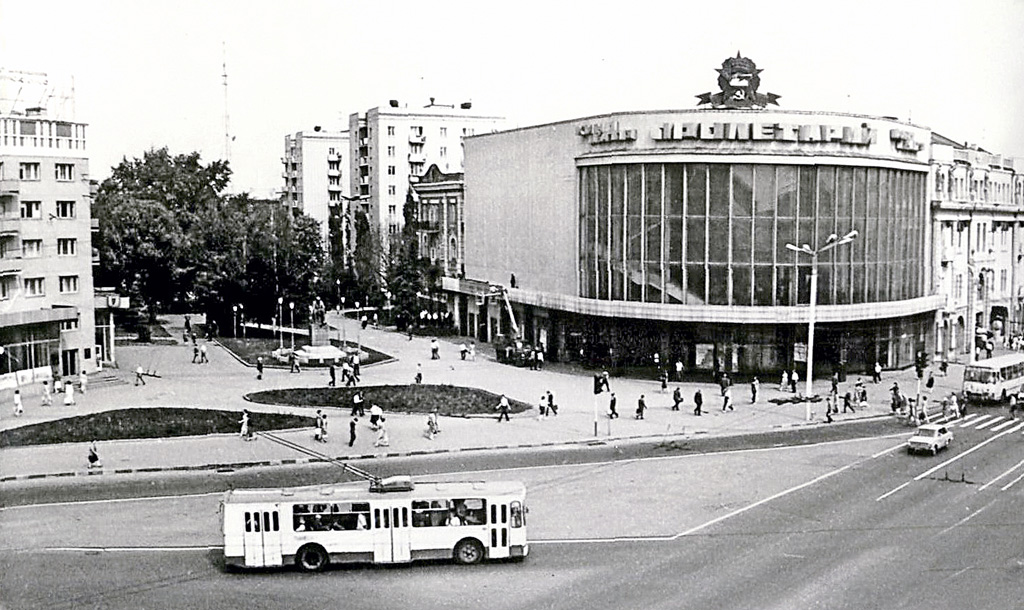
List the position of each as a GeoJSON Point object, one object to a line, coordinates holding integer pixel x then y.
{"type": "Point", "coordinates": [598, 383]}
{"type": "Point", "coordinates": [921, 364]}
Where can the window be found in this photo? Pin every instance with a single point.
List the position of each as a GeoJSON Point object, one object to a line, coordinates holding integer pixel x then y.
{"type": "Point", "coordinates": [65, 209]}
{"type": "Point", "coordinates": [28, 171]}
{"type": "Point", "coordinates": [391, 151]}
{"type": "Point", "coordinates": [391, 210]}
{"type": "Point", "coordinates": [31, 209]}
{"type": "Point", "coordinates": [68, 284]}
{"type": "Point", "coordinates": [392, 190]}
{"type": "Point", "coordinates": [31, 248]}
{"type": "Point", "coordinates": [35, 287]}
{"type": "Point", "coordinates": [416, 130]}
{"type": "Point", "coordinates": [67, 246]}
{"type": "Point", "coordinates": [391, 130]}
{"type": "Point", "coordinates": [444, 151]}
{"type": "Point", "coordinates": [391, 170]}
{"type": "Point", "coordinates": [437, 513]}
{"type": "Point", "coordinates": [6, 288]}
{"type": "Point", "coordinates": [64, 172]}
{"type": "Point", "coordinates": [444, 131]}
{"type": "Point", "coordinates": [338, 516]}
{"type": "Point", "coordinates": [330, 151]}
{"type": "Point", "coordinates": [334, 196]}
{"type": "Point", "coordinates": [69, 324]}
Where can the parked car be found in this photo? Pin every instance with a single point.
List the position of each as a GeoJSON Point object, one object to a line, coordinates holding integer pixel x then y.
{"type": "Point", "coordinates": [930, 437]}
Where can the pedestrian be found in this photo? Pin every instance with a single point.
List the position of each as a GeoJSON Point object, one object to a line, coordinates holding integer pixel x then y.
{"type": "Point", "coordinates": [188, 326]}
{"type": "Point", "coordinates": [463, 350]}
{"type": "Point", "coordinates": [755, 385]}
{"type": "Point", "coordinates": [679, 370]}
{"type": "Point", "coordinates": [69, 394]}
{"type": "Point", "coordinates": [244, 432]}
{"type": "Point", "coordinates": [259, 367]}
{"type": "Point", "coordinates": [552, 407]}
{"type": "Point", "coordinates": [727, 398]}
{"type": "Point", "coordinates": [828, 409]}
{"type": "Point", "coordinates": [542, 407]}
{"type": "Point", "coordinates": [318, 430]}
{"type": "Point", "coordinates": [376, 320]}
{"type": "Point", "coordinates": [472, 350]}
{"type": "Point", "coordinates": [1013, 406]}
{"type": "Point", "coordinates": [357, 404]}
{"type": "Point", "coordinates": [293, 360]}
{"type": "Point", "coordinates": [961, 410]}
{"type": "Point", "coordinates": [663, 376]}
{"type": "Point", "coordinates": [195, 354]}
{"type": "Point", "coordinates": [352, 431]}
{"type": "Point", "coordinates": [895, 389]}
{"type": "Point", "coordinates": [502, 408]}
{"type": "Point", "coordinates": [698, 401]}
{"type": "Point", "coordinates": [47, 398]}
{"type": "Point", "coordinates": [94, 456]}
{"type": "Point", "coordinates": [333, 372]}
{"type": "Point", "coordinates": [641, 406]}
{"type": "Point", "coordinates": [612, 413]}
{"type": "Point", "coordinates": [18, 407]}
{"type": "Point", "coordinates": [419, 373]}
{"type": "Point", "coordinates": [83, 381]}
{"type": "Point", "coordinates": [138, 376]}
{"type": "Point", "coordinates": [540, 358]}
{"type": "Point", "coordinates": [943, 367]}
{"type": "Point", "coordinates": [793, 380]}
{"type": "Point", "coordinates": [931, 381]}
{"type": "Point", "coordinates": [435, 349]}
{"type": "Point", "coordinates": [877, 373]}
{"type": "Point", "coordinates": [382, 436]}
{"type": "Point", "coordinates": [784, 382]}
{"type": "Point", "coordinates": [677, 398]}
{"type": "Point", "coordinates": [835, 383]}
{"type": "Point", "coordinates": [323, 427]}
{"type": "Point", "coordinates": [346, 374]}
{"type": "Point", "coordinates": [202, 354]}
{"type": "Point", "coordinates": [848, 402]}
{"type": "Point", "coordinates": [376, 416]}
{"type": "Point", "coordinates": [364, 321]}
{"type": "Point", "coordinates": [724, 382]}
{"type": "Point", "coordinates": [355, 367]}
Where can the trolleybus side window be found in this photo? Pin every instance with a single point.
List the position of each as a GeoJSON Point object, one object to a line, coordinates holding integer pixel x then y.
{"type": "Point", "coordinates": [517, 514]}
{"type": "Point", "coordinates": [338, 516]}
{"type": "Point", "coordinates": [436, 513]}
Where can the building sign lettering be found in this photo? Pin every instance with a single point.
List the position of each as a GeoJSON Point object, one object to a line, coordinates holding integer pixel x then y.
{"type": "Point", "coordinates": [904, 140]}
{"type": "Point", "coordinates": [609, 132]}
{"type": "Point", "coordinates": [778, 132]}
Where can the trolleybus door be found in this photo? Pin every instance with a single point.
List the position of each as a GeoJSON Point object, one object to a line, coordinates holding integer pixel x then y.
{"type": "Point", "coordinates": [401, 540]}
{"type": "Point", "coordinates": [262, 538]}
{"type": "Point", "coordinates": [391, 538]}
{"type": "Point", "coordinates": [498, 530]}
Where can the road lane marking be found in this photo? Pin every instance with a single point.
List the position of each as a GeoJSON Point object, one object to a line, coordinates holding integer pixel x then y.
{"type": "Point", "coordinates": [964, 520]}
{"type": "Point", "coordinates": [1011, 483]}
{"type": "Point", "coordinates": [971, 423]}
{"type": "Point", "coordinates": [965, 420]}
{"type": "Point", "coordinates": [947, 462]}
{"type": "Point", "coordinates": [1005, 424]}
{"type": "Point", "coordinates": [986, 485]}
{"type": "Point", "coordinates": [988, 423]}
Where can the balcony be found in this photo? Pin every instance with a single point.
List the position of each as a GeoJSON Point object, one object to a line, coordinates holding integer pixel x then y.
{"type": "Point", "coordinates": [94, 224]}
{"type": "Point", "coordinates": [364, 180]}
{"type": "Point", "coordinates": [334, 173]}
{"type": "Point", "coordinates": [9, 187]}
{"type": "Point", "coordinates": [417, 157]}
{"type": "Point", "coordinates": [417, 139]}
{"type": "Point", "coordinates": [334, 188]}
{"type": "Point", "coordinates": [334, 157]}
{"type": "Point", "coordinates": [364, 160]}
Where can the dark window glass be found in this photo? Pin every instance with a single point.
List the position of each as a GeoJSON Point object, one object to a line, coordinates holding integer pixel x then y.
{"type": "Point", "coordinates": [696, 183]}
{"type": "Point", "coordinates": [762, 285]}
{"type": "Point", "coordinates": [844, 198]}
{"type": "Point", "coordinates": [784, 285]}
{"type": "Point", "coordinates": [674, 286]}
{"type": "Point", "coordinates": [764, 232]}
{"type": "Point", "coordinates": [718, 191]}
{"type": "Point", "coordinates": [634, 190]}
{"type": "Point", "coordinates": [785, 233]}
{"type": "Point", "coordinates": [859, 278]}
{"type": "Point", "coordinates": [695, 240]}
{"type": "Point", "coordinates": [826, 214]}
{"type": "Point", "coordinates": [808, 192]}
{"type": "Point", "coordinates": [617, 286]}
{"type": "Point", "coordinates": [741, 245]}
{"type": "Point", "coordinates": [718, 285]}
{"type": "Point", "coordinates": [654, 280]}
{"type": "Point", "coordinates": [803, 283]}
{"type": "Point", "coordinates": [718, 240]}
{"type": "Point", "coordinates": [824, 284]}
{"type": "Point", "coordinates": [871, 279]}
{"type": "Point", "coordinates": [787, 191]}
{"type": "Point", "coordinates": [634, 281]}
{"type": "Point", "coordinates": [674, 239]}
{"type": "Point", "coordinates": [764, 191]}
{"type": "Point", "coordinates": [742, 190]}
{"type": "Point", "coordinates": [741, 284]}
{"type": "Point", "coordinates": [652, 243]}
{"type": "Point", "coordinates": [634, 235]}
{"type": "Point", "coordinates": [859, 214]}
{"type": "Point", "coordinates": [695, 285]}
{"type": "Point", "coordinates": [673, 189]}
{"type": "Point", "coordinates": [805, 233]}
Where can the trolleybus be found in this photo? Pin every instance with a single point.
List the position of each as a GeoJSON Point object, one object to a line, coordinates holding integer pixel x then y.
{"type": "Point", "coordinates": [394, 521]}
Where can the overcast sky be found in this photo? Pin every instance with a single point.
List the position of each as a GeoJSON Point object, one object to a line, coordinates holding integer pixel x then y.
{"type": "Point", "coordinates": [149, 74]}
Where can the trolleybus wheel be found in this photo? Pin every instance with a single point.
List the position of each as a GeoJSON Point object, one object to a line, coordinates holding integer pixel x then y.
{"type": "Point", "coordinates": [469, 551]}
{"type": "Point", "coordinates": [311, 558]}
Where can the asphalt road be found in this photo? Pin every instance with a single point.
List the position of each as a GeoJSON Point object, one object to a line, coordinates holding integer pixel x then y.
{"type": "Point", "coordinates": [852, 524]}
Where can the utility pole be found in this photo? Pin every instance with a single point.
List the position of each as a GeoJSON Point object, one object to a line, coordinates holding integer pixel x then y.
{"type": "Point", "coordinates": [227, 131]}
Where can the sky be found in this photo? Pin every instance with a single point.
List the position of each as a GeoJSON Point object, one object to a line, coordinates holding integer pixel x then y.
{"type": "Point", "coordinates": [150, 74]}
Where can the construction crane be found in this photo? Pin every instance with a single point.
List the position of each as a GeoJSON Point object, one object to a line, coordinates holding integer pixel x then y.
{"type": "Point", "coordinates": [20, 90]}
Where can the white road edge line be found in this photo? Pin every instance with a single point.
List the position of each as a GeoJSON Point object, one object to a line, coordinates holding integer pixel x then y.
{"type": "Point", "coordinates": [1011, 483]}
{"type": "Point", "coordinates": [986, 485]}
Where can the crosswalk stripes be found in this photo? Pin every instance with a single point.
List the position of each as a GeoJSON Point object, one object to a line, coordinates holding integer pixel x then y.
{"type": "Point", "coordinates": [1005, 424]}
{"type": "Point", "coordinates": [972, 422]}
{"type": "Point", "coordinates": [989, 422]}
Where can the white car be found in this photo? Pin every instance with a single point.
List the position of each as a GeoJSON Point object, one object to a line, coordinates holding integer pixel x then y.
{"type": "Point", "coordinates": [930, 437]}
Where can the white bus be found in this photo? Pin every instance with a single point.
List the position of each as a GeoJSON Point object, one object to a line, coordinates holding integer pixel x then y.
{"type": "Point", "coordinates": [995, 379]}
{"type": "Point", "coordinates": [395, 521]}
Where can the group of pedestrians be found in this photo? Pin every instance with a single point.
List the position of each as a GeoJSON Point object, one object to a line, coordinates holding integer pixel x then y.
{"type": "Point", "coordinates": [65, 387]}
{"type": "Point", "coordinates": [349, 371]}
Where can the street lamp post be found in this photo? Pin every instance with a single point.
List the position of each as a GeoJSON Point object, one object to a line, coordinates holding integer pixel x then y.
{"type": "Point", "coordinates": [344, 339]}
{"type": "Point", "coordinates": [241, 313]}
{"type": "Point", "coordinates": [234, 316]}
{"type": "Point", "coordinates": [280, 322]}
{"type": "Point", "coordinates": [832, 241]}
{"type": "Point", "coordinates": [291, 321]}
{"type": "Point", "coordinates": [359, 331]}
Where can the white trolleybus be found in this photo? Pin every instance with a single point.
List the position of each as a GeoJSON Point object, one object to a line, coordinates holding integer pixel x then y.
{"type": "Point", "coordinates": [394, 521]}
{"type": "Point", "coordinates": [994, 379]}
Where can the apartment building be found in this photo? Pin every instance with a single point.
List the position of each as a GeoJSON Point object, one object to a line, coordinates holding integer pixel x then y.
{"type": "Point", "coordinates": [47, 324]}
{"type": "Point", "coordinates": [391, 148]}
{"type": "Point", "coordinates": [441, 224]}
{"type": "Point", "coordinates": [316, 180]}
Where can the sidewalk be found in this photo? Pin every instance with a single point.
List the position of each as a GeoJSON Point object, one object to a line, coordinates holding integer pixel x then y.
{"type": "Point", "coordinates": [222, 383]}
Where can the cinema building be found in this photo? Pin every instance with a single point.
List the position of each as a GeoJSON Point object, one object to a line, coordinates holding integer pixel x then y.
{"type": "Point", "coordinates": [669, 232]}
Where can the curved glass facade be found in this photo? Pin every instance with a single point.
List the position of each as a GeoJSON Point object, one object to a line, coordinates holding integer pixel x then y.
{"type": "Point", "coordinates": [716, 234]}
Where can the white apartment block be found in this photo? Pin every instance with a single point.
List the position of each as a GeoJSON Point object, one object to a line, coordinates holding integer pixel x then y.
{"type": "Point", "coordinates": [392, 147]}
{"type": "Point", "coordinates": [978, 238]}
{"type": "Point", "coordinates": [47, 324]}
{"type": "Point", "coordinates": [316, 168]}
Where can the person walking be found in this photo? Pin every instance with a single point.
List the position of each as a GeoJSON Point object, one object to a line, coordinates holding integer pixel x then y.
{"type": "Point", "coordinates": [94, 456]}
{"type": "Point", "coordinates": [69, 394]}
{"type": "Point", "coordinates": [828, 409]}
{"type": "Point", "coordinates": [793, 380]}
{"type": "Point", "coordinates": [663, 376]}
{"type": "Point", "coordinates": [19, 409]}
{"type": "Point", "coordinates": [835, 384]}
{"type": "Point", "coordinates": [848, 402]}
{"type": "Point", "coordinates": [463, 350]}
{"type": "Point", "coordinates": [877, 373]}
{"type": "Point", "coordinates": [540, 358]}
{"type": "Point", "coordinates": [382, 436]}
{"type": "Point", "coordinates": [352, 431]}
{"type": "Point", "coordinates": [47, 398]}
{"type": "Point", "coordinates": [202, 355]}
{"type": "Point", "coordinates": [376, 416]}
{"type": "Point", "coordinates": [784, 382]}
{"type": "Point", "coordinates": [612, 413]}
{"type": "Point", "coordinates": [323, 427]}
{"type": "Point", "coordinates": [727, 398]}
{"type": "Point", "coordinates": [435, 349]}
{"type": "Point", "coordinates": [679, 370]}
{"type": "Point", "coordinates": [138, 376]}
{"type": "Point", "coordinates": [542, 407]}
{"type": "Point", "coordinates": [698, 401]}
{"type": "Point", "coordinates": [355, 368]}
{"type": "Point", "coordinates": [641, 406]}
{"type": "Point", "coordinates": [472, 351]}
{"type": "Point", "coordinates": [419, 373]}
{"type": "Point", "coordinates": [357, 404]}
{"type": "Point", "coordinates": [195, 353]}
{"type": "Point", "coordinates": [244, 432]}
{"type": "Point", "coordinates": [83, 381]}
{"type": "Point", "coordinates": [503, 408]}
{"type": "Point", "coordinates": [677, 398]}
{"type": "Point", "coordinates": [755, 385]}
{"type": "Point", "coordinates": [552, 407]}
{"type": "Point", "coordinates": [259, 367]}
{"type": "Point", "coordinates": [333, 372]}
{"type": "Point", "coordinates": [317, 429]}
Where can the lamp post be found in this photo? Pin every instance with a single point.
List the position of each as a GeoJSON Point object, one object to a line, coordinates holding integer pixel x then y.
{"type": "Point", "coordinates": [241, 314]}
{"type": "Point", "coordinates": [280, 322]}
{"type": "Point", "coordinates": [291, 321]}
{"type": "Point", "coordinates": [832, 241]}
{"type": "Point", "coordinates": [344, 340]}
{"type": "Point", "coordinates": [359, 331]}
{"type": "Point", "coordinates": [234, 316]}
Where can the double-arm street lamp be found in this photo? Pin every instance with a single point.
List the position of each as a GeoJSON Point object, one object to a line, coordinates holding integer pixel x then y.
{"type": "Point", "coordinates": [234, 316]}
{"type": "Point", "coordinates": [280, 322]}
{"type": "Point", "coordinates": [832, 241]}
{"type": "Point", "coordinates": [291, 321]}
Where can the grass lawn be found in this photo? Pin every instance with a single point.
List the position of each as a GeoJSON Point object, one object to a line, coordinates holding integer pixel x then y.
{"type": "Point", "coordinates": [143, 423]}
{"type": "Point", "coordinates": [250, 348]}
{"type": "Point", "coordinates": [449, 400]}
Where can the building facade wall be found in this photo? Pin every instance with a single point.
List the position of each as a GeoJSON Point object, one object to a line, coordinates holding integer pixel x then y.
{"type": "Point", "coordinates": [316, 167]}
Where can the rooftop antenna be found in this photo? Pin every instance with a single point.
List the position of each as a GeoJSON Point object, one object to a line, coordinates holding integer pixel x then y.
{"type": "Point", "coordinates": [227, 131]}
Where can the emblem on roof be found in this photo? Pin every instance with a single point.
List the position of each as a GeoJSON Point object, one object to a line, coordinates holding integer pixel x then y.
{"type": "Point", "coordinates": [739, 79]}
